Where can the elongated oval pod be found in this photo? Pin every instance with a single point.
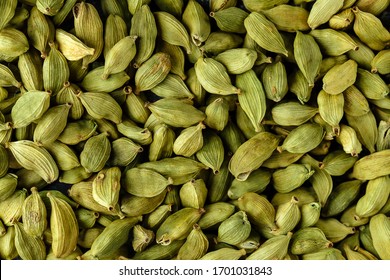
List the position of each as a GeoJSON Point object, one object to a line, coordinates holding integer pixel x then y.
{"type": "Point", "coordinates": [375, 197]}
{"type": "Point", "coordinates": [34, 214]}
{"type": "Point", "coordinates": [303, 138]}
{"type": "Point", "coordinates": [34, 157]}
{"type": "Point", "coordinates": [213, 77]}
{"type": "Point", "coordinates": [72, 47]}
{"type": "Point", "coordinates": [322, 11]}
{"type": "Point", "coordinates": [12, 207]}
{"type": "Point", "coordinates": [224, 254]}
{"type": "Point", "coordinates": [136, 180]}
{"type": "Point", "coordinates": [29, 247]}
{"type": "Point", "coordinates": [260, 211]}
{"type": "Point", "coordinates": [197, 22]}
{"type": "Point", "coordinates": [257, 25]}
{"type": "Point", "coordinates": [333, 42]}
{"type": "Point", "coordinates": [101, 105]}
{"type": "Point", "coordinates": [152, 72]}
{"type": "Point", "coordinates": [341, 197]}
{"type": "Point", "coordinates": [51, 124]}
{"type": "Point", "coordinates": [252, 97]}
{"type": "Point", "coordinates": [9, 183]}
{"type": "Point", "coordinates": [380, 232]}
{"type": "Point", "coordinates": [234, 229]}
{"type": "Point", "coordinates": [21, 112]}
{"type": "Point", "coordinates": [256, 182]}
{"type": "Point", "coordinates": [274, 80]}
{"type": "Point", "coordinates": [144, 26]}
{"type": "Point", "coordinates": [9, 9]}
{"type": "Point", "coordinates": [106, 187]}
{"type": "Point", "coordinates": [364, 25]}
{"type": "Point", "coordinates": [252, 153]}
{"type": "Point", "coordinates": [195, 246]}
{"type": "Point", "coordinates": [13, 42]}
{"type": "Point", "coordinates": [309, 240]}
{"type": "Point", "coordinates": [113, 237]}
{"type": "Point", "coordinates": [119, 56]}
{"type": "Point", "coordinates": [178, 225]}
{"type": "Point", "coordinates": [64, 227]}
{"type": "Point", "coordinates": [160, 252]}
{"type": "Point", "coordinates": [180, 169]}
{"type": "Point", "coordinates": [224, 21]}
{"type": "Point", "coordinates": [175, 112]}
{"type": "Point", "coordinates": [89, 29]}
{"type": "Point", "coordinates": [306, 49]}
{"type": "Point", "coordinates": [291, 177]}
{"type": "Point", "coordinates": [212, 152]}
{"type": "Point", "coordinates": [30, 68]}
{"type": "Point", "coordinates": [333, 229]}
{"type": "Point", "coordinates": [95, 153]}
{"type": "Point", "coordinates": [274, 248]}
{"type": "Point", "coordinates": [172, 30]}
{"type": "Point", "coordinates": [55, 70]}
{"type": "Point", "coordinates": [294, 18]}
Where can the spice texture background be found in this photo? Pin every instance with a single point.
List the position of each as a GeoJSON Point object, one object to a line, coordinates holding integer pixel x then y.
{"type": "Point", "coordinates": [186, 130]}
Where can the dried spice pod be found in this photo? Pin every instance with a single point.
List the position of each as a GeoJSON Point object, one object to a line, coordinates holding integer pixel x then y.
{"type": "Point", "coordinates": [252, 153]}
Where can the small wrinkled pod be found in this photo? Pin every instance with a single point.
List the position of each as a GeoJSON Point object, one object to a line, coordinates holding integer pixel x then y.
{"type": "Point", "coordinates": [252, 97]}
{"type": "Point", "coordinates": [95, 153]}
{"type": "Point", "coordinates": [340, 77]}
{"type": "Point", "coordinates": [333, 229]}
{"type": "Point", "coordinates": [224, 254]}
{"type": "Point", "coordinates": [370, 29]}
{"type": "Point", "coordinates": [234, 229]}
{"type": "Point", "coordinates": [341, 197]}
{"type": "Point", "coordinates": [86, 219]}
{"type": "Point", "coordinates": [256, 182]}
{"type": "Point", "coordinates": [112, 238]}
{"type": "Point", "coordinates": [106, 187]}
{"type": "Point", "coordinates": [8, 184]}
{"type": "Point", "coordinates": [309, 240]}
{"type": "Point", "coordinates": [172, 30]}
{"type": "Point", "coordinates": [12, 207]}
{"type": "Point", "coordinates": [287, 216]}
{"type": "Point", "coordinates": [291, 177]}
{"type": "Point", "coordinates": [303, 138]}
{"type": "Point", "coordinates": [140, 135]}
{"type": "Point", "coordinates": [142, 237]}
{"type": "Point", "coordinates": [178, 225]}
{"type": "Point", "coordinates": [197, 22]}
{"type": "Point", "coordinates": [34, 214]}
{"type": "Point", "coordinates": [217, 114]}
{"type": "Point", "coordinates": [189, 141]}
{"type": "Point", "coordinates": [64, 227]}
{"type": "Point", "coordinates": [212, 152]}
{"type": "Point", "coordinates": [274, 248]}
{"type": "Point", "coordinates": [375, 197]}
{"type": "Point", "coordinates": [349, 141]}
{"type": "Point", "coordinates": [252, 153]}
{"type": "Point", "coordinates": [29, 247]}
{"type": "Point", "coordinates": [380, 231]}
{"type": "Point", "coordinates": [310, 213]}
{"type": "Point", "coordinates": [136, 179]}
{"type": "Point", "coordinates": [213, 77]}
{"type": "Point", "coordinates": [195, 246]}
{"type": "Point", "coordinates": [160, 252]}
{"type": "Point", "coordinates": [256, 24]}
{"type": "Point", "coordinates": [180, 169]}
{"type": "Point", "coordinates": [193, 194]}
{"type": "Point", "coordinates": [260, 211]}
{"type": "Point", "coordinates": [162, 144]}
{"type": "Point", "coordinates": [215, 213]}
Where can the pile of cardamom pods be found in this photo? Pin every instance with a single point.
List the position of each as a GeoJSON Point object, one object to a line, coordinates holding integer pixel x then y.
{"type": "Point", "coordinates": [170, 129]}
